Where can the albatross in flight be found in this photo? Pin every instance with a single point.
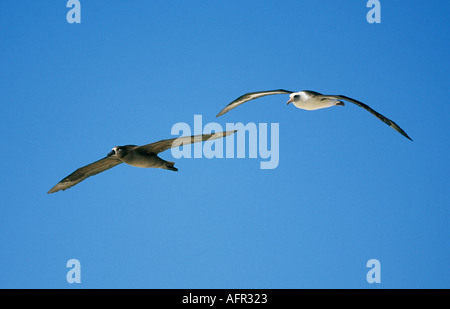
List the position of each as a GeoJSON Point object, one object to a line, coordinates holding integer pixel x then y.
{"type": "Point", "coordinates": [139, 156]}
{"type": "Point", "coordinates": [311, 100]}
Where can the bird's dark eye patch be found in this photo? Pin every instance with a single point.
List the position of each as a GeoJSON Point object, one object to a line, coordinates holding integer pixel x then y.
{"type": "Point", "coordinates": [296, 96]}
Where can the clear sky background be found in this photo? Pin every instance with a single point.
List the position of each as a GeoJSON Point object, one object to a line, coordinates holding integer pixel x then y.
{"type": "Point", "coordinates": [347, 189]}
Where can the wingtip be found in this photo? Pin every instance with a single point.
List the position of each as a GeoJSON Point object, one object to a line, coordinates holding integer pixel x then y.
{"type": "Point", "coordinates": [230, 132]}
{"type": "Point", "coordinates": [55, 189]}
{"type": "Point", "coordinates": [404, 134]}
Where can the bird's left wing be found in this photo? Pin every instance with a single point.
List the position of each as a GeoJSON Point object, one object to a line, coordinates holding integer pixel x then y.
{"type": "Point", "coordinates": [250, 96]}
{"type": "Point", "coordinates": [386, 120]}
{"type": "Point", "coordinates": [180, 141]}
{"type": "Point", "coordinates": [84, 172]}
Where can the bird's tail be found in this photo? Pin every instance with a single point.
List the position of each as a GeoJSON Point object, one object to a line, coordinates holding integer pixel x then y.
{"type": "Point", "coordinates": [170, 166]}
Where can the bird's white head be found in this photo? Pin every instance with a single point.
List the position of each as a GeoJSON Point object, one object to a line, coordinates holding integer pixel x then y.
{"type": "Point", "coordinates": [294, 97]}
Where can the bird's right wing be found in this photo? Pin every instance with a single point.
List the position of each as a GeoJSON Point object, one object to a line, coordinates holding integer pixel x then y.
{"type": "Point", "coordinates": [386, 120]}
{"type": "Point", "coordinates": [250, 96]}
{"type": "Point", "coordinates": [180, 141]}
{"type": "Point", "coordinates": [84, 172]}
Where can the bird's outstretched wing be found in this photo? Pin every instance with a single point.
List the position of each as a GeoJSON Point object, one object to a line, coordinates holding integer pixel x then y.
{"type": "Point", "coordinates": [386, 120]}
{"type": "Point", "coordinates": [84, 172]}
{"type": "Point", "coordinates": [180, 141]}
{"type": "Point", "coordinates": [250, 96]}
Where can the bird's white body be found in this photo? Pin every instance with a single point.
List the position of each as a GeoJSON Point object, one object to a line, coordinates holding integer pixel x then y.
{"type": "Point", "coordinates": [308, 100]}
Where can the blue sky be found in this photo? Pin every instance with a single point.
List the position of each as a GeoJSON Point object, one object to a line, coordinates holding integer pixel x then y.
{"type": "Point", "coordinates": [347, 189]}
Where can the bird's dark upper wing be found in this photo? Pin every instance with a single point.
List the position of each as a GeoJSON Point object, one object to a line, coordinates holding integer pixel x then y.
{"type": "Point", "coordinates": [250, 96]}
{"type": "Point", "coordinates": [386, 120]}
{"type": "Point", "coordinates": [179, 141]}
{"type": "Point", "coordinates": [84, 172]}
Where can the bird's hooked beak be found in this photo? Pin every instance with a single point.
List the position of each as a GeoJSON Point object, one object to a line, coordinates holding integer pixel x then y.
{"type": "Point", "coordinates": [290, 100]}
{"type": "Point", "coordinates": [111, 153]}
